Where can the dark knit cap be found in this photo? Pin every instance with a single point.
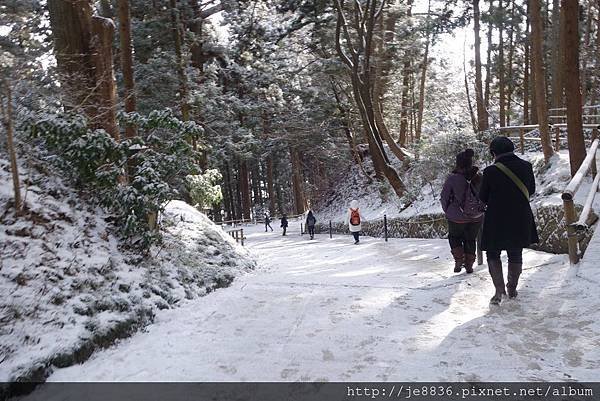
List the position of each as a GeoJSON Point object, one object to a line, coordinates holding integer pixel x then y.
{"type": "Point", "coordinates": [464, 160]}
{"type": "Point", "coordinates": [501, 144]}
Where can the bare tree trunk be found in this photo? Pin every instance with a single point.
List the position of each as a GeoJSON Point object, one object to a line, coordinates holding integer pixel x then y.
{"type": "Point", "coordinates": [534, 114]}
{"type": "Point", "coordinates": [347, 126]}
{"type": "Point", "coordinates": [270, 189]}
{"type": "Point", "coordinates": [585, 48]}
{"type": "Point", "coordinates": [576, 143]}
{"type": "Point", "coordinates": [557, 54]}
{"type": "Point", "coordinates": [501, 77]}
{"type": "Point", "coordinates": [183, 85]}
{"type": "Point", "coordinates": [229, 188]}
{"type": "Point", "coordinates": [7, 119]}
{"type": "Point", "coordinates": [102, 56]}
{"type": "Point", "coordinates": [526, 70]}
{"type": "Point", "coordinates": [382, 66]}
{"type": "Point", "coordinates": [385, 34]}
{"type": "Point", "coordinates": [469, 103]}
{"type": "Point", "coordinates": [596, 86]}
{"type": "Point", "coordinates": [540, 81]}
{"type": "Point", "coordinates": [405, 100]}
{"type": "Point", "coordinates": [245, 190]}
{"type": "Point", "coordinates": [71, 23]}
{"type": "Point", "coordinates": [127, 62]}
{"type": "Point", "coordinates": [297, 182]}
{"type": "Point", "coordinates": [413, 114]}
{"type": "Point", "coordinates": [482, 118]}
{"type": "Point", "coordinates": [511, 52]}
{"type": "Point", "coordinates": [424, 65]}
{"type": "Point", "coordinates": [488, 65]}
{"type": "Point", "coordinates": [255, 184]}
{"type": "Point", "coordinates": [83, 50]}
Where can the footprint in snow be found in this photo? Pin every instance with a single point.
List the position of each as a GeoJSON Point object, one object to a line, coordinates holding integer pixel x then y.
{"type": "Point", "coordinates": [327, 355]}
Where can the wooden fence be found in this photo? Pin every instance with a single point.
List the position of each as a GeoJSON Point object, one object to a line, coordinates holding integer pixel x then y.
{"type": "Point", "coordinates": [238, 235]}
{"type": "Point", "coordinates": [524, 130]}
{"type": "Point", "coordinates": [591, 121]}
{"type": "Point", "coordinates": [575, 224]}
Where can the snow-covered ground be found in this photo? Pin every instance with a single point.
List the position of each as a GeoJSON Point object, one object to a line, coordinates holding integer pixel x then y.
{"type": "Point", "coordinates": [69, 288]}
{"type": "Point", "coordinates": [327, 310]}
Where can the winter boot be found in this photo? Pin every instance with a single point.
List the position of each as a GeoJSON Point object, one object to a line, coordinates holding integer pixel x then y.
{"type": "Point", "coordinates": [495, 268]}
{"type": "Point", "coordinates": [514, 271]}
{"type": "Point", "coordinates": [459, 258]}
{"type": "Point", "coordinates": [469, 262]}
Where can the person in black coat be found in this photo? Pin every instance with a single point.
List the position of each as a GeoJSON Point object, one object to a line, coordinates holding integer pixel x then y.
{"type": "Point", "coordinates": [284, 223]}
{"type": "Point", "coordinates": [311, 221]}
{"type": "Point", "coordinates": [268, 222]}
{"type": "Point", "coordinates": [508, 224]}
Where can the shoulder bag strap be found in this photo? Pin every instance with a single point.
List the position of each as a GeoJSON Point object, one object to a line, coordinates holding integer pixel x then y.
{"type": "Point", "coordinates": [514, 179]}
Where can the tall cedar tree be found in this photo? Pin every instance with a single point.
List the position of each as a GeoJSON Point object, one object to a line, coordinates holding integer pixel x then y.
{"type": "Point", "coordinates": [482, 117]}
{"type": "Point", "coordinates": [83, 50]}
{"type": "Point", "coordinates": [576, 141]}
{"type": "Point", "coordinates": [127, 62]}
{"type": "Point", "coordinates": [7, 121]}
{"type": "Point", "coordinates": [540, 77]}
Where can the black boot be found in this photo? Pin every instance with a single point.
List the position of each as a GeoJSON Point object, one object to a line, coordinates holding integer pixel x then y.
{"type": "Point", "coordinates": [469, 262]}
{"type": "Point", "coordinates": [459, 258]}
{"type": "Point", "coordinates": [495, 268]}
{"type": "Point", "coordinates": [514, 271]}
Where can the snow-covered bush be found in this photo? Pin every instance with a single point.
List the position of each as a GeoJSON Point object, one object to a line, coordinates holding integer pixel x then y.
{"type": "Point", "coordinates": [204, 189]}
{"type": "Point", "coordinates": [437, 157]}
{"type": "Point", "coordinates": [135, 177]}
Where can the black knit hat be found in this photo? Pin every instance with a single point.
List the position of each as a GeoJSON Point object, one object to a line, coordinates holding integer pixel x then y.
{"type": "Point", "coordinates": [500, 145]}
{"type": "Point", "coordinates": [464, 160]}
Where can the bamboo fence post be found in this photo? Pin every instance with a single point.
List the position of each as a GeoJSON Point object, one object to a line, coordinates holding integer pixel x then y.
{"type": "Point", "coordinates": [242, 234]}
{"type": "Point", "coordinates": [330, 230]}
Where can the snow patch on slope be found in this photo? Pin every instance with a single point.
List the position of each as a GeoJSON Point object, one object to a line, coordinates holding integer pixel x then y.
{"type": "Point", "coordinates": [69, 288]}
{"type": "Point", "coordinates": [377, 199]}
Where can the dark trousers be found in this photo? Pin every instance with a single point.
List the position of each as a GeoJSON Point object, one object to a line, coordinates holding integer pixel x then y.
{"type": "Point", "coordinates": [311, 231]}
{"type": "Point", "coordinates": [514, 255]}
{"type": "Point", "coordinates": [268, 225]}
{"type": "Point", "coordinates": [284, 229]}
{"type": "Point", "coordinates": [355, 235]}
{"type": "Point", "coordinates": [463, 235]}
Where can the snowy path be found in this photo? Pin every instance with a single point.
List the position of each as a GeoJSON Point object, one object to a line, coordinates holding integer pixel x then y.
{"type": "Point", "coordinates": [328, 310]}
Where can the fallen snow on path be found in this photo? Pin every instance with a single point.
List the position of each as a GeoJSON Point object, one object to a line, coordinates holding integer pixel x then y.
{"type": "Point", "coordinates": [328, 310]}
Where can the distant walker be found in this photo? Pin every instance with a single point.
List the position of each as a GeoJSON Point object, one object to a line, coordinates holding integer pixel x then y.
{"type": "Point", "coordinates": [354, 220]}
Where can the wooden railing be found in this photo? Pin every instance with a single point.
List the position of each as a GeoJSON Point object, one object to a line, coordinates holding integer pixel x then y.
{"type": "Point", "coordinates": [521, 129]}
{"type": "Point", "coordinates": [556, 138]}
{"type": "Point", "coordinates": [573, 223]}
{"type": "Point", "coordinates": [250, 221]}
{"type": "Point", "coordinates": [238, 235]}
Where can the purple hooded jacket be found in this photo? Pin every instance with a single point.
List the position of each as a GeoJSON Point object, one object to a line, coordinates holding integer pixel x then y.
{"type": "Point", "coordinates": [453, 196]}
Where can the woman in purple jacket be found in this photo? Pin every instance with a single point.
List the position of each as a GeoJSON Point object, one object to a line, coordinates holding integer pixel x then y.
{"type": "Point", "coordinates": [459, 201]}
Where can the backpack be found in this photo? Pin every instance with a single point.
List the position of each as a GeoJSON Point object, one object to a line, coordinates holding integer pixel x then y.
{"type": "Point", "coordinates": [472, 206]}
{"type": "Point", "coordinates": [354, 217]}
{"type": "Point", "coordinates": [311, 221]}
